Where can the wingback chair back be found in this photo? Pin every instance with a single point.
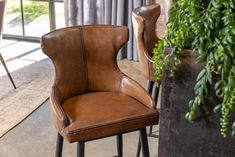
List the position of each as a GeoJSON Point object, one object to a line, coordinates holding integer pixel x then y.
{"type": "Point", "coordinates": [144, 22]}
{"type": "Point", "coordinates": [82, 64]}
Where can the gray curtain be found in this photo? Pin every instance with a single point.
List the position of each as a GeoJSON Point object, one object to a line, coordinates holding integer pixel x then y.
{"type": "Point", "coordinates": [115, 12]}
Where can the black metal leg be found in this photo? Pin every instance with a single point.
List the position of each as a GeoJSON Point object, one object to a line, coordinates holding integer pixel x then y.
{"type": "Point", "coordinates": [149, 87]}
{"type": "Point", "coordinates": [59, 146]}
{"type": "Point", "coordinates": [119, 145]}
{"type": "Point", "coordinates": [8, 73]}
{"type": "Point", "coordinates": [155, 93]}
{"type": "Point", "coordinates": [144, 142]}
{"type": "Point", "coordinates": [151, 129]}
{"type": "Point", "coordinates": [155, 98]}
{"type": "Point", "coordinates": [138, 148]}
{"type": "Point", "coordinates": [80, 149]}
{"type": "Point", "coordinates": [151, 90]}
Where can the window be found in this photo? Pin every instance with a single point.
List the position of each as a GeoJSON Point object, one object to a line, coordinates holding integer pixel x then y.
{"type": "Point", "coordinates": [30, 19]}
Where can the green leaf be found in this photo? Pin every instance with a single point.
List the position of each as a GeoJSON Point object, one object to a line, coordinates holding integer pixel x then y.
{"type": "Point", "coordinates": [209, 77]}
{"type": "Point", "coordinates": [233, 134]}
{"type": "Point", "coordinates": [233, 125]}
{"type": "Point", "coordinates": [218, 85]}
{"type": "Point", "coordinates": [217, 107]}
{"type": "Point", "coordinates": [201, 58]}
{"type": "Point", "coordinates": [201, 74]}
{"type": "Point", "coordinates": [211, 30]}
{"type": "Point", "coordinates": [188, 116]}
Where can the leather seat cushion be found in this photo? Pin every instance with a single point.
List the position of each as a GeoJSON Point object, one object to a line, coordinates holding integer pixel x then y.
{"type": "Point", "coordinates": [99, 114]}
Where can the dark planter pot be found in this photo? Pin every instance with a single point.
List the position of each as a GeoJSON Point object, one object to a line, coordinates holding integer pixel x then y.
{"type": "Point", "coordinates": [178, 138]}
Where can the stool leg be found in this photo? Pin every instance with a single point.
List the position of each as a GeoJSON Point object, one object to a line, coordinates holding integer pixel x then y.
{"type": "Point", "coordinates": [138, 148]}
{"type": "Point", "coordinates": [151, 129]}
{"type": "Point", "coordinates": [149, 87]}
{"type": "Point", "coordinates": [119, 145]}
{"type": "Point", "coordinates": [81, 149]}
{"type": "Point", "coordinates": [155, 93]}
{"type": "Point", "coordinates": [8, 73]}
{"type": "Point", "coordinates": [144, 142]}
{"type": "Point", "coordinates": [155, 98]}
{"type": "Point", "coordinates": [59, 146]}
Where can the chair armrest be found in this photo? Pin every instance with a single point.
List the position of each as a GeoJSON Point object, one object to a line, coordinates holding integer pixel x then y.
{"type": "Point", "coordinates": [130, 87]}
{"type": "Point", "coordinates": [58, 116]}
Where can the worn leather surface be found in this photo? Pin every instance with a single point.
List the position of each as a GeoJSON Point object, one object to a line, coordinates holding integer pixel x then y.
{"type": "Point", "coordinates": [91, 97]}
{"type": "Point", "coordinates": [98, 114]}
{"type": "Point", "coordinates": [144, 20]}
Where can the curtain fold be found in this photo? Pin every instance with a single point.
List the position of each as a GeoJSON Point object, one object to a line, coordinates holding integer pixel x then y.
{"type": "Point", "coordinates": [115, 12]}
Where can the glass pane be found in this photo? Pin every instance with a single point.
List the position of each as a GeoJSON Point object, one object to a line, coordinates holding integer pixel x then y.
{"type": "Point", "coordinates": [36, 16]}
{"type": "Point", "coordinates": [59, 14]}
{"type": "Point", "coordinates": [12, 19]}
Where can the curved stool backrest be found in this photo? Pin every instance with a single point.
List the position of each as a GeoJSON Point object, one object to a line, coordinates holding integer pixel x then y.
{"type": "Point", "coordinates": [144, 22]}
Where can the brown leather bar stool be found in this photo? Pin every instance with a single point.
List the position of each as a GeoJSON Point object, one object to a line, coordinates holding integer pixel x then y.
{"type": "Point", "coordinates": [144, 20]}
{"type": "Point", "coordinates": [2, 9]}
{"type": "Point", "coordinates": [91, 98]}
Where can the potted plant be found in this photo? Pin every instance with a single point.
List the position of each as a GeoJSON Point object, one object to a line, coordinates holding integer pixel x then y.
{"type": "Point", "coordinates": [198, 83]}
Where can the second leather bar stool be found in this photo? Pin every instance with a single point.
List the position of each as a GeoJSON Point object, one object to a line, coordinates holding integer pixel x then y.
{"type": "Point", "coordinates": [144, 20]}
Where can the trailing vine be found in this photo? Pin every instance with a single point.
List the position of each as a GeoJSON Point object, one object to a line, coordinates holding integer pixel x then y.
{"type": "Point", "coordinates": [182, 21]}
{"type": "Point", "coordinates": [210, 27]}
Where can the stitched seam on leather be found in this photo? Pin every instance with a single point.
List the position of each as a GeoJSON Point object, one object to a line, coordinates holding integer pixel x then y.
{"type": "Point", "coordinates": [105, 125]}
{"type": "Point", "coordinates": [62, 115]}
{"type": "Point", "coordinates": [84, 58]}
{"type": "Point", "coordinates": [117, 122]}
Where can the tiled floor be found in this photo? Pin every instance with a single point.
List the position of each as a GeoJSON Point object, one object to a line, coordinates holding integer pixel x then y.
{"type": "Point", "coordinates": [36, 137]}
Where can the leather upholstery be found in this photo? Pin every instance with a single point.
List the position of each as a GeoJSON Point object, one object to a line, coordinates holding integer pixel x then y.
{"type": "Point", "coordinates": [98, 114]}
{"type": "Point", "coordinates": [144, 22]}
{"type": "Point", "coordinates": [91, 98]}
